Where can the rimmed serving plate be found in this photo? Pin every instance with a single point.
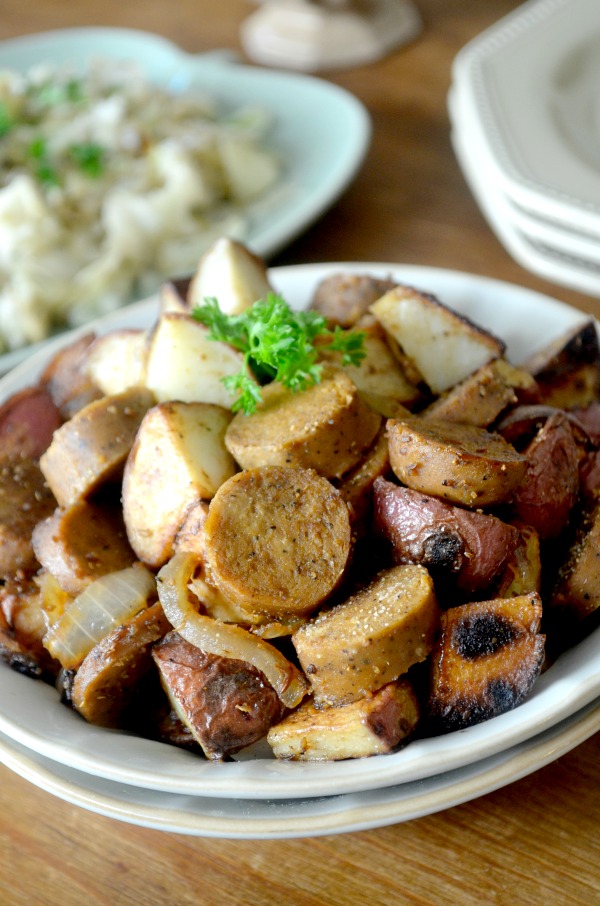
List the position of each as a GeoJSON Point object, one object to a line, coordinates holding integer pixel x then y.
{"type": "Point", "coordinates": [260, 819]}
{"type": "Point", "coordinates": [530, 89]}
{"type": "Point", "coordinates": [32, 716]}
{"type": "Point", "coordinates": [320, 131]}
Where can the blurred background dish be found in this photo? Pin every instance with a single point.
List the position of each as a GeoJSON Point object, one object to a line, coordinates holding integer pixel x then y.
{"type": "Point", "coordinates": [525, 117]}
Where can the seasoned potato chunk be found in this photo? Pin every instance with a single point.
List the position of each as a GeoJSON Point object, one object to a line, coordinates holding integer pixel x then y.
{"type": "Point", "coordinates": [461, 463]}
{"type": "Point", "coordinates": [567, 371]}
{"type": "Point", "coordinates": [277, 540]}
{"type": "Point", "coordinates": [372, 638]}
{"type": "Point", "coordinates": [577, 591]}
{"type": "Point", "coordinates": [482, 396]}
{"type": "Point", "coordinates": [109, 677]}
{"type": "Point", "coordinates": [178, 458]}
{"type": "Point", "coordinates": [182, 363]}
{"type": "Point", "coordinates": [372, 725]}
{"type": "Point", "coordinates": [226, 703]}
{"type": "Point", "coordinates": [444, 346]}
{"type": "Point", "coordinates": [327, 428]}
{"type": "Point", "coordinates": [115, 361]}
{"type": "Point", "coordinates": [231, 273]}
{"type": "Point", "coordinates": [461, 548]}
{"type": "Point", "coordinates": [488, 656]}
{"type": "Point", "coordinates": [91, 448]}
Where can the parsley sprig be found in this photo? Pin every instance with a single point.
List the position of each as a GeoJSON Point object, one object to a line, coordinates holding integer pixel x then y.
{"type": "Point", "coordinates": [278, 344]}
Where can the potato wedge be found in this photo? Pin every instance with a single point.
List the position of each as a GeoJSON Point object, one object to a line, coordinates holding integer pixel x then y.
{"type": "Point", "coordinates": [326, 428]}
{"type": "Point", "coordinates": [344, 298]}
{"type": "Point", "coordinates": [372, 725]}
{"type": "Point", "coordinates": [115, 361]}
{"type": "Point", "coordinates": [444, 346]}
{"type": "Point", "coordinates": [577, 591]}
{"type": "Point", "coordinates": [567, 371]}
{"type": "Point", "coordinates": [277, 540]}
{"type": "Point", "coordinates": [91, 448]}
{"type": "Point", "coordinates": [462, 549]}
{"type": "Point", "coordinates": [226, 703]}
{"type": "Point", "coordinates": [372, 638]}
{"type": "Point", "coordinates": [178, 458]}
{"type": "Point", "coordinates": [230, 273]}
{"type": "Point", "coordinates": [488, 656]}
{"type": "Point", "coordinates": [183, 364]}
{"type": "Point", "coordinates": [483, 395]}
{"type": "Point", "coordinates": [109, 678]}
{"type": "Point", "coordinates": [460, 463]}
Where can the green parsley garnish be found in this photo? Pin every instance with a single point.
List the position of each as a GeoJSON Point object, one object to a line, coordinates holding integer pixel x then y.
{"type": "Point", "coordinates": [278, 344]}
{"type": "Point", "coordinates": [6, 120]}
{"type": "Point", "coordinates": [89, 157]}
{"type": "Point", "coordinates": [45, 172]}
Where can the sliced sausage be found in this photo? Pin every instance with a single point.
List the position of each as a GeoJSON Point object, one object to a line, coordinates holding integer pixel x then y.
{"type": "Point", "coordinates": [25, 499]}
{"type": "Point", "coordinates": [277, 540]}
{"type": "Point", "coordinates": [28, 420]}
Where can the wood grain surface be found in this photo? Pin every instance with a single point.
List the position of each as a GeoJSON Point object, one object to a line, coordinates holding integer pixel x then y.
{"type": "Point", "coordinates": [534, 842]}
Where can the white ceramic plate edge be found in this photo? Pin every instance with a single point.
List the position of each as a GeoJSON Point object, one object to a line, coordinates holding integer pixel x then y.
{"type": "Point", "coordinates": [230, 819]}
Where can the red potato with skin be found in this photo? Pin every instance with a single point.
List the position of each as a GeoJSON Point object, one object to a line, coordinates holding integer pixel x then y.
{"type": "Point", "coordinates": [28, 420]}
{"type": "Point", "coordinates": [467, 547]}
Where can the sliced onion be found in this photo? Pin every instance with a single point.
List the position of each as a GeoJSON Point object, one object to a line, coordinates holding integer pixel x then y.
{"type": "Point", "coordinates": [103, 605]}
{"type": "Point", "coordinates": [224, 639]}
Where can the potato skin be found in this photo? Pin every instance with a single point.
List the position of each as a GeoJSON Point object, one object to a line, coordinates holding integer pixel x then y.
{"type": "Point", "coordinates": [469, 549]}
{"type": "Point", "coordinates": [463, 464]}
{"type": "Point", "coordinates": [227, 703]}
{"type": "Point", "coordinates": [277, 540]}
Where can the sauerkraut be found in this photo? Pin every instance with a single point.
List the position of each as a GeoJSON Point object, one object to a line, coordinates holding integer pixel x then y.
{"type": "Point", "coordinates": [109, 184]}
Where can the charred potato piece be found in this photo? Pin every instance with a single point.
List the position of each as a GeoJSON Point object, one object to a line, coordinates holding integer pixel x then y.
{"type": "Point", "coordinates": [466, 548]}
{"type": "Point", "coordinates": [82, 542]}
{"type": "Point", "coordinates": [277, 540]}
{"type": "Point", "coordinates": [110, 674]}
{"type": "Point", "coordinates": [371, 639]}
{"type": "Point", "coordinates": [488, 656]}
{"type": "Point", "coordinates": [577, 590]}
{"type": "Point", "coordinates": [178, 458]}
{"type": "Point", "coordinates": [372, 725]}
{"type": "Point", "coordinates": [326, 428]}
{"type": "Point", "coordinates": [91, 448]}
{"type": "Point", "coordinates": [444, 346]}
{"type": "Point", "coordinates": [567, 371]}
{"type": "Point", "coordinates": [24, 500]}
{"type": "Point", "coordinates": [344, 298]}
{"type": "Point", "coordinates": [463, 464]}
{"type": "Point", "coordinates": [481, 397]}
{"type": "Point", "coordinates": [226, 703]}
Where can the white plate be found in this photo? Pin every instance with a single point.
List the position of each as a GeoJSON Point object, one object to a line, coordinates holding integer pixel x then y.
{"type": "Point", "coordinates": [229, 818]}
{"type": "Point", "coordinates": [542, 246]}
{"type": "Point", "coordinates": [321, 131]}
{"type": "Point", "coordinates": [31, 714]}
{"type": "Point", "coordinates": [531, 83]}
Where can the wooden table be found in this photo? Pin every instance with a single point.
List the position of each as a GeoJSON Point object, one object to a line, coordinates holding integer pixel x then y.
{"type": "Point", "coordinates": [533, 842]}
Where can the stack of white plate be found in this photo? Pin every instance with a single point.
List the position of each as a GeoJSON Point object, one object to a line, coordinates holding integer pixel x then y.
{"type": "Point", "coordinates": [525, 111]}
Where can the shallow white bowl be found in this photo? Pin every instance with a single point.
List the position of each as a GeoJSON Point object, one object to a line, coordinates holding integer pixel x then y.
{"type": "Point", "coordinates": [31, 714]}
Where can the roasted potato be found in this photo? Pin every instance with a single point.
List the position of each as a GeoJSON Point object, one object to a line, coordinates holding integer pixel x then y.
{"type": "Point", "coordinates": [461, 463]}
{"type": "Point", "coordinates": [567, 371]}
{"type": "Point", "coordinates": [486, 660]}
{"type": "Point", "coordinates": [344, 298]}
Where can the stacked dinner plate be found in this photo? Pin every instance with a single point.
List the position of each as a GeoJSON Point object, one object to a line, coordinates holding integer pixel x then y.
{"type": "Point", "coordinates": [525, 112]}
